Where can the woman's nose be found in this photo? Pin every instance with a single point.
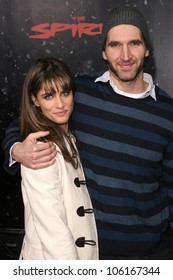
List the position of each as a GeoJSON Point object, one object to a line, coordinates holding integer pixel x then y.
{"type": "Point", "coordinates": [59, 102]}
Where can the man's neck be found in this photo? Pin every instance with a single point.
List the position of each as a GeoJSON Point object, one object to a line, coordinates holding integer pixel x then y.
{"type": "Point", "coordinates": [134, 87]}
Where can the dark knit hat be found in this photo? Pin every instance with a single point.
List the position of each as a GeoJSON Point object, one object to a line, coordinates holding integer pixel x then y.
{"type": "Point", "coordinates": [127, 15]}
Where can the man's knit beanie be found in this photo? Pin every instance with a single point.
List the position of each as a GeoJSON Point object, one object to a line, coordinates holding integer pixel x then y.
{"type": "Point", "coordinates": [127, 15]}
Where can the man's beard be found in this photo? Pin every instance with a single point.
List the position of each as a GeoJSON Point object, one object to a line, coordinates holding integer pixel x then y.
{"type": "Point", "coordinates": [122, 78]}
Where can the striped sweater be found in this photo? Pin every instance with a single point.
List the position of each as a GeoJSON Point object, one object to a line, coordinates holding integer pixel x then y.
{"type": "Point", "coordinates": [126, 147]}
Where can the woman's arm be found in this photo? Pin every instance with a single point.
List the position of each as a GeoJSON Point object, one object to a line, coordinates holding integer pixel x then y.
{"type": "Point", "coordinates": [44, 192]}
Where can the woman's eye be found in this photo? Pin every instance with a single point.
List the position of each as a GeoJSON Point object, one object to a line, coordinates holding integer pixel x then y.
{"type": "Point", "coordinates": [65, 93]}
{"type": "Point", "coordinates": [48, 96]}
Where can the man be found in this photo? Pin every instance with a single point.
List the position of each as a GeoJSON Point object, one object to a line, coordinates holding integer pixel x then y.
{"type": "Point", "coordinates": [125, 127]}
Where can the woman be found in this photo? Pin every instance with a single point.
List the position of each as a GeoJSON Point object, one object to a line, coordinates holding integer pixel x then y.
{"type": "Point", "coordinates": [59, 219]}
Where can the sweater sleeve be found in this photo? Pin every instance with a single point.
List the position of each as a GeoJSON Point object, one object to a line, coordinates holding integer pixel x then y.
{"type": "Point", "coordinates": [12, 136]}
{"type": "Point", "coordinates": [167, 168]}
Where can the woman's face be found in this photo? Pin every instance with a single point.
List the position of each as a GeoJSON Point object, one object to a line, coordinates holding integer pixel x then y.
{"type": "Point", "coordinates": [56, 106]}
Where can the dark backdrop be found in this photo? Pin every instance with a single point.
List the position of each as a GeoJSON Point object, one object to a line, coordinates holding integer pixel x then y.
{"type": "Point", "coordinates": [82, 52]}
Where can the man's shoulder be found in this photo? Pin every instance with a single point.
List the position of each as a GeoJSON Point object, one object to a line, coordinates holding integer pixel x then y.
{"type": "Point", "coordinates": [86, 78]}
{"type": "Point", "coordinates": [163, 95]}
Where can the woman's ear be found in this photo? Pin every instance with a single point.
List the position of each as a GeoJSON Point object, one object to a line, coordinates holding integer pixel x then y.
{"type": "Point", "coordinates": [34, 99]}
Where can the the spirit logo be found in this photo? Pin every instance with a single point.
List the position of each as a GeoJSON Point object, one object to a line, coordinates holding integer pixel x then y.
{"type": "Point", "coordinates": [47, 30]}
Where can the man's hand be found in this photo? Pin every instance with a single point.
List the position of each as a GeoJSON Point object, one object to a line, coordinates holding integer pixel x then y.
{"type": "Point", "coordinates": [33, 155]}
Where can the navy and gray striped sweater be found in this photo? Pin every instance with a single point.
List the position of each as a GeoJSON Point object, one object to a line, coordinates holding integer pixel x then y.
{"type": "Point", "coordinates": [127, 154]}
{"type": "Point", "coordinates": [126, 147]}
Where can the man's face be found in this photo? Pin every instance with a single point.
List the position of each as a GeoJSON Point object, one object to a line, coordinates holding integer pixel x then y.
{"type": "Point", "coordinates": [125, 52]}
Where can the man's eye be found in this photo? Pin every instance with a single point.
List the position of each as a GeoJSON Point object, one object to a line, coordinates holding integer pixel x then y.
{"type": "Point", "coordinates": [136, 43]}
{"type": "Point", "coordinates": [114, 44]}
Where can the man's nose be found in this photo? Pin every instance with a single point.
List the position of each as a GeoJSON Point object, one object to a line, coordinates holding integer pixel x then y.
{"type": "Point", "coordinates": [125, 53]}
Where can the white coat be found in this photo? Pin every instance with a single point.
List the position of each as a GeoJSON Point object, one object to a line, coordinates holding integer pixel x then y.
{"type": "Point", "coordinates": [59, 219]}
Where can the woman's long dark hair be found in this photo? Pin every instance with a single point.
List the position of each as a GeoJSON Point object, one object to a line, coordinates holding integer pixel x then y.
{"type": "Point", "coordinates": [51, 73]}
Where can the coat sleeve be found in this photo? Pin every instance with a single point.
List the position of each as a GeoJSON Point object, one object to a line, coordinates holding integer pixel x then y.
{"type": "Point", "coordinates": [44, 194]}
{"type": "Point", "coordinates": [12, 136]}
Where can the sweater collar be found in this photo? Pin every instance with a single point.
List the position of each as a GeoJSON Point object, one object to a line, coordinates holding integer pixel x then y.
{"type": "Point", "coordinates": [150, 91]}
